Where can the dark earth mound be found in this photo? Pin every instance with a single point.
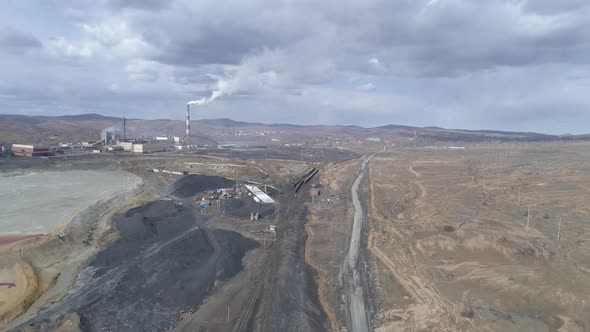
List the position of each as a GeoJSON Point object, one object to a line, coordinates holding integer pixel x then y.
{"type": "Point", "coordinates": [241, 208]}
{"type": "Point", "coordinates": [193, 184]}
{"type": "Point", "coordinates": [163, 264]}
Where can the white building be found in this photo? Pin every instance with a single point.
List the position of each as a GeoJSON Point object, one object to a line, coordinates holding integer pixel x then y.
{"type": "Point", "coordinates": [127, 146]}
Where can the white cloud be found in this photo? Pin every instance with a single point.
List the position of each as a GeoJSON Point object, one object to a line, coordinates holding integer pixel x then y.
{"type": "Point", "coordinates": [431, 3]}
{"type": "Point", "coordinates": [60, 48]}
{"type": "Point", "coordinates": [143, 70]}
{"type": "Point", "coordinates": [116, 37]}
{"type": "Point", "coordinates": [367, 87]}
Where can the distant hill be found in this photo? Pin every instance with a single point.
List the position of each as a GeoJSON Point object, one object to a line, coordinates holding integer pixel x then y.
{"type": "Point", "coordinates": [43, 129]}
{"type": "Point", "coordinates": [227, 123]}
{"type": "Point", "coordinates": [391, 126]}
{"type": "Point", "coordinates": [87, 127]}
{"type": "Point", "coordinates": [88, 117]}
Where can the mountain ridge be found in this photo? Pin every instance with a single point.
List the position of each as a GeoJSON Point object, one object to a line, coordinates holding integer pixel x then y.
{"type": "Point", "coordinates": [15, 127]}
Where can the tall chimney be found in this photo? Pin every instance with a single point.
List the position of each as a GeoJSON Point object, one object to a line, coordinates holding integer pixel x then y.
{"type": "Point", "coordinates": [124, 129]}
{"type": "Point", "coordinates": [188, 119]}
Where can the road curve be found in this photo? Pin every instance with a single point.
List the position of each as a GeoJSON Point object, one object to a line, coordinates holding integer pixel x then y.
{"type": "Point", "coordinates": [356, 300]}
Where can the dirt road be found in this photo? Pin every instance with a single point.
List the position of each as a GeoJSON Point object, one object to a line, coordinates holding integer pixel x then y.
{"type": "Point", "coordinates": [357, 311]}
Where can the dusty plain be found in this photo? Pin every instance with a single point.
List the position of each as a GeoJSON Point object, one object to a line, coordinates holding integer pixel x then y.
{"type": "Point", "coordinates": [450, 248]}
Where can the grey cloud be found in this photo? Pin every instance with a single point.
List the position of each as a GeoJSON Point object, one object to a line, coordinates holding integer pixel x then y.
{"type": "Point", "coordinates": [149, 5]}
{"type": "Point", "coordinates": [207, 33]}
{"type": "Point", "coordinates": [456, 37]}
{"type": "Point", "coordinates": [446, 39]}
{"type": "Point", "coordinates": [458, 63]}
{"type": "Point", "coordinates": [552, 6]}
{"type": "Point", "coordinates": [13, 41]}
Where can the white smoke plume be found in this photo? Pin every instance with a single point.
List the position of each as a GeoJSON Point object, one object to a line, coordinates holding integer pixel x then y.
{"type": "Point", "coordinates": [197, 102]}
{"type": "Point", "coordinates": [252, 75]}
{"type": "Point", "coordinates": [224, 87]}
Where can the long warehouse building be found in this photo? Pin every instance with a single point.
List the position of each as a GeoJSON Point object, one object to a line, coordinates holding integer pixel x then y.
{"type": "Point", "coordinates": [261, 195]}
{"type": "Point", "coordinates": [26, 150]}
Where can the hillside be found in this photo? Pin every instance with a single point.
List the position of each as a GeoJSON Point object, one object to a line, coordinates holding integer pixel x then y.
{"type": "Point", "coordinates": [87, 127]}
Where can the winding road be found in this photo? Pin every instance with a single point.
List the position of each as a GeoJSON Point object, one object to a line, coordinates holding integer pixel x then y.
{"type": "Point", "coordinates": [357, 312]}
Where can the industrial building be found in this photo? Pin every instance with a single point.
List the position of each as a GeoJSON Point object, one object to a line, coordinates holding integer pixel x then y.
{"type": "Point", "coordinates": [127, 146]}
{"type": "Point", "coordinates": [26, 150]}
{"type": "Point", "coordinates": [150, 147]}
{"type": "Point", "coordinates": [258, 195]}
{"type": "Point", "coordinates": [107, 137]}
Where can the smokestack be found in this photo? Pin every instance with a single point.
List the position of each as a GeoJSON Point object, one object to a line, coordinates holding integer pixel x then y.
{"type": "Point", "coordinates": [124, 129]}
{"type": "Point", "coordinates": [188, 119]}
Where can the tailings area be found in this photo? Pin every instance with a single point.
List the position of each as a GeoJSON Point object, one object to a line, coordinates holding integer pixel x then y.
{"type": "Point", "coordinates": [163, 264]}
{"type": "Point", "coordinates": [202, 251]}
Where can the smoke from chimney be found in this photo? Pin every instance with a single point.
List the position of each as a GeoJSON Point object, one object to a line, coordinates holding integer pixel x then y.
{"type": "Point", "coordinates": [227, 86]}
{"type": "Point", "coordinates": [224, 87]}
{"type": "Point", "coordinates": [221, 90]}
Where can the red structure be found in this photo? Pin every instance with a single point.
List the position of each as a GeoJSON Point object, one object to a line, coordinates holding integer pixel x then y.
{"type": "Point", "coordinates": [25, 150]}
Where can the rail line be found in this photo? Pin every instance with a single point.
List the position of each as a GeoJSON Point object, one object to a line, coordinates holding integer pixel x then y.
{"type": "Point", "coordinates": [243, 322]}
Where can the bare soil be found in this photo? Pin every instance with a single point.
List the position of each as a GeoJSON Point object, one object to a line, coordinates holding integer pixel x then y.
{"type": "Point", "coordinates": [451, 248]}
{"type": "Point", "coordinates": [328, 234]}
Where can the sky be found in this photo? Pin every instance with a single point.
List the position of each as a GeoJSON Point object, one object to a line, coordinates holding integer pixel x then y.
{"type": "Point", "coordinates": [520, 65]}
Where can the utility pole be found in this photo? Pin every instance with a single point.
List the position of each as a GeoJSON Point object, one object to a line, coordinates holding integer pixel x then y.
{"type": "Point", "coordinates": [528, 217]}
{"type": "Point", "coordinates": [558, 230]}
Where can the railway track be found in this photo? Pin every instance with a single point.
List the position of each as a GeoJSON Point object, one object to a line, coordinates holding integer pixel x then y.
{"type": "Point", "coordinates": [261, 302]}
{"type": "Point", "coordinates": [244, 321]}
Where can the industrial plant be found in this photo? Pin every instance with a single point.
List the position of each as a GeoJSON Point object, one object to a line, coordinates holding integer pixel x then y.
{"type": "Point", "coordinates": [114, 139]}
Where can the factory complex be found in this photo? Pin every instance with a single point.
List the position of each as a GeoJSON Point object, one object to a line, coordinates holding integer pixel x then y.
{"type": "Point", "coordinates": [112, 140]}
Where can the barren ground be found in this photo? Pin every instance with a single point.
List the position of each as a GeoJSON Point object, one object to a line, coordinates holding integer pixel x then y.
{"type": "Point", "coordinates": [451, 250]}
{"type": "Point", "coordinates": [446, 245]}
{"type": "Point", "coordinates": [328, 236]}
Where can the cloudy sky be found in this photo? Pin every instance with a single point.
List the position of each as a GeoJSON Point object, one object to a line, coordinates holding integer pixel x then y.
{"type": "Point", "coordinates": [477, 64]}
